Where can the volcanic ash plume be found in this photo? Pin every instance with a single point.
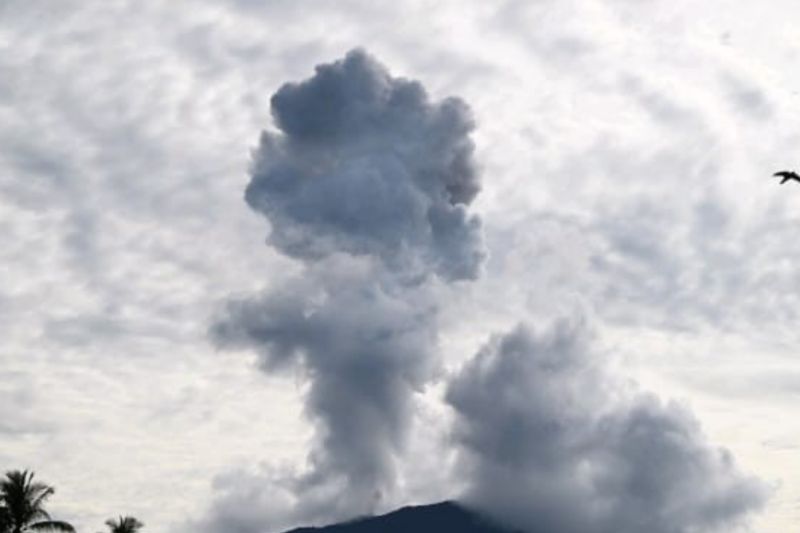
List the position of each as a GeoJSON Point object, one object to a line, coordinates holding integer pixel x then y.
{"type": "Point", "coordinates": [553, 444]}
{"type": "Point", "coordinates": [367, 166]}
{"type": "Point", "coordinates": [367, 184]}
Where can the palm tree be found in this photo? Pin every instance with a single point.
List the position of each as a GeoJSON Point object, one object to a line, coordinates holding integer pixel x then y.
{"type": "Point", "coordinates": [124, 524]}
{"type": "Point", "coordinates": [22, 505]}
{"type": "Point", "coordinates": [4, 520]}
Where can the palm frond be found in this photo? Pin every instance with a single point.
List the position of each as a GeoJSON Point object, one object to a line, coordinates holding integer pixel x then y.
{"type": "Point", "coordinates": [39, 492]}
{"type": "Point", "coordinates": [22, 500]}
{"type": "Point", "coordinates": [51, 525]}
{"type": "Point", "coordinates": [124, 524]}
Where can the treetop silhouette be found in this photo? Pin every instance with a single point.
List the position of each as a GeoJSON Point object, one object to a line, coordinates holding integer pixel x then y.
{"type": "Point", "coordinates": [22, 503]}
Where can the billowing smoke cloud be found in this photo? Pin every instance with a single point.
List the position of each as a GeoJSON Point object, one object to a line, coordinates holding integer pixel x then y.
{"type": "Point", "coordinates": [552, 444]}
{"type": "Point", "coordinates": [366, 165]}
{"type": "Point", "coordinates": [367, 184]}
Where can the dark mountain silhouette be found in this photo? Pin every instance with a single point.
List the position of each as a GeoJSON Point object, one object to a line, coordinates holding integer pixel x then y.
{"type": "Point", "coordinates": [444, 517]}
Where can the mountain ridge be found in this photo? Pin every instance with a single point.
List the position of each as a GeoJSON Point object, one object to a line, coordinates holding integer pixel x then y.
{"type": "Point", "coordinates": [447, 516]}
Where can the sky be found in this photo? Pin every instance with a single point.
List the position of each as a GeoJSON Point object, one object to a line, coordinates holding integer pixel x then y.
{"type": "Point", "coordinates": [546, 254]}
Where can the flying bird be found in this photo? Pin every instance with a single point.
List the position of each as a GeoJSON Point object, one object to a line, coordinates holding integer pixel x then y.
{"type": "Point", "coordinates": [787, 175]}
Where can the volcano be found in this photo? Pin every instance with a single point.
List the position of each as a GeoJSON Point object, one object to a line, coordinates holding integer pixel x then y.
{"type": "Point", "coordinates": [444, 517]}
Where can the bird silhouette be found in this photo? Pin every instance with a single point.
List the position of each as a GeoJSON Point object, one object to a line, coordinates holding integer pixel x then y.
{"type": "Point", "coordinates": [787, 175]}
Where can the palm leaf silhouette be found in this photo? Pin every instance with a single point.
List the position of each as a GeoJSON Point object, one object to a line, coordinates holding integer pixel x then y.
{"type": "Point", "coordinates": [22, 503]}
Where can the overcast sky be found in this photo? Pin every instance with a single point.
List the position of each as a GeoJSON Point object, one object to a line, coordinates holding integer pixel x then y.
{"type": "Point", "coordinates": [624, 151]}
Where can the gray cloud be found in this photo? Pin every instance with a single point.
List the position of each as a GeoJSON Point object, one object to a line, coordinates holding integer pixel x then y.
{"type": "Point", "coordinates": [365, 348]}
{"type": "Point", "coordinates": [553, 444]}
{"type": "Point", "coordinates": [19, 416]}
{"type": "Point", "coordinates": [367, 183]}
{"type": "Point", "coordinates": [365, 164]}
{"type": "Point", "coordinates": [748, 97]}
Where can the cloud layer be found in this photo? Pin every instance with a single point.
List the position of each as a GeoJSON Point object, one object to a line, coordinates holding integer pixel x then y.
{"type": "Point", "coordinates": [629, 145]}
